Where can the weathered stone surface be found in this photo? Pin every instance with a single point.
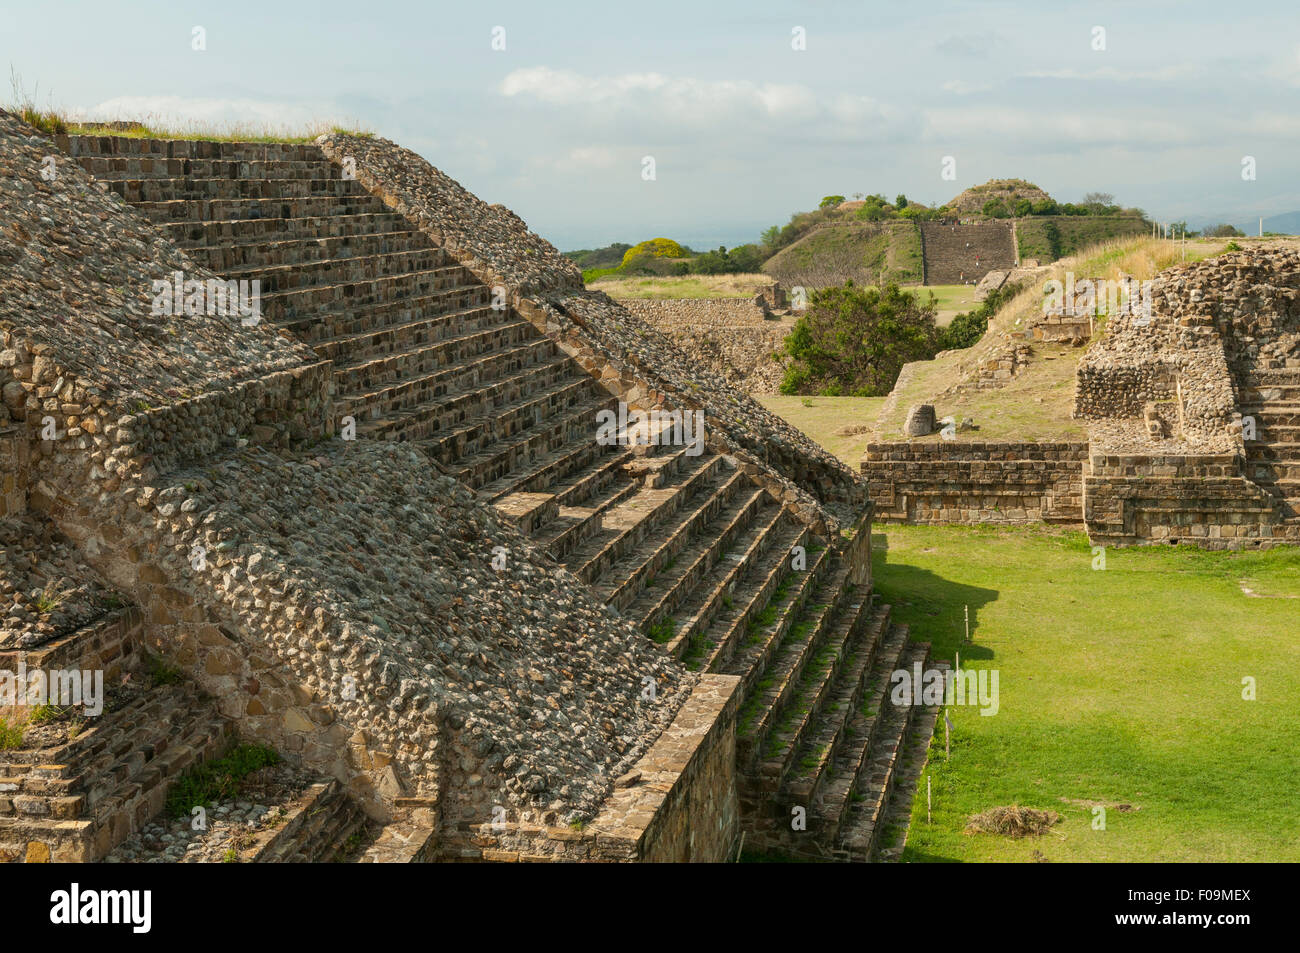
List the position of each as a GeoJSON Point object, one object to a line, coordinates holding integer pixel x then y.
{"type": "Point", "coordinates": [920, 421]}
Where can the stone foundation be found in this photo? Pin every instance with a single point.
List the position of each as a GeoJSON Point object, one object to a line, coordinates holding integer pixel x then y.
{"type": "Point", "coordinates": [975, 482]}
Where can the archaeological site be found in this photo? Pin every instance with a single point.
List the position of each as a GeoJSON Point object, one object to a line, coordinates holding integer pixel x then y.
{"type": "Point", "coordinates": [367, 526]}
{"type": "Point", "coordinates": [436, 435]}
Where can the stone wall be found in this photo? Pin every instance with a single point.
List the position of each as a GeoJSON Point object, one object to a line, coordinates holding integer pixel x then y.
{"type": "Point", "coordinates": [14, 456]}
{"type": "Point", "coordinates": [678, 803]}
{"type": "Point", "coordinates": [976, 481]}
{"type": "Point", "coordinates": [733, 337]}
{"type": "Point", "coordinates": [1201, 499]}
{"type": "Point", "coordinates": [111, 644]}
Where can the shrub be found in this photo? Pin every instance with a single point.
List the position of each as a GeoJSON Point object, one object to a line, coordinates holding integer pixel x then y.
{"type": "Point", "coordinates": [996, 208]}
{"type": "Point", "coordinates": [854, 340]}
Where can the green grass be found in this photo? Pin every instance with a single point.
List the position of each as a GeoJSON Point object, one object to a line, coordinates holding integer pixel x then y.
{"type": "Point", "coordinates": [54, 121]}
{"type": "Point", "coordinates": [206, 784]}
{"type": "Point", "coordinates": [823, 419]}
{"type": "Point", "coordinates": [11, 736]}
{"type": "Point", "coordinates": [1121, 686]}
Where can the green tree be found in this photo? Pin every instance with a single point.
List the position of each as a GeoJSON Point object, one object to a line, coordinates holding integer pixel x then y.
{"type": "Point", "coordinates": [831, 201]}
{"type": "Point", "coordinates": [853, 340]}
{"type": "Point", "coordinates": [996, 208]}
{"type": "Point", "coordinates": [900, 201]}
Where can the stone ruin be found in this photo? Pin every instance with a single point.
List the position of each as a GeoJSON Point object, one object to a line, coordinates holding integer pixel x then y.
{"type": "Point", "coordinates": [1194, 407]}
{"type": "Point", "coordinates": [1193, 410]}
{"type": "Point", "coordinates": [372, 525]}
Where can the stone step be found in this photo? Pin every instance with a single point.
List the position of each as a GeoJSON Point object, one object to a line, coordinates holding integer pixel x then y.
{"type": "Point", "coordinates": [627, 524]}
{"type": "Point", "coordinates": [449, 430]}
{"type": "Point", "coordinates": [1278, 414]}
{"type": "Point", "coordinates": [772, 692]}
{"type": "Point", "coordinates": [844, 658]}
{"type": "Point", "coordinates": [859, 826]}
{"type": "Point", "coordinates": [575, 524]}
{"type": "Point", "coordinates": [492, 459]}
{"type": "Point", "coordinates": [281, 305]}
{"type": "Point", "coordinates": [461, 382]}
{"type": "Point", "coordinates": [1271, 392]}
{"type": "Point", "coordinates": [732, 505]}
{"type": "Point", "coordinates": [231, 260]}
{"type": "Point", "coordinates": [194, 189]}
{"type": "Point", "coordinates": [751, 566]}
{"type": "Point", "coordinates": [338, 271]}
{"type": "Point", "coordinates": [670, 584]}
{"type": "Point", "coordinates": [239, 232]}
{"type": "Point", "coordinates": [367, 374]}
{"type": "Point", "coordinates": [572, 472]}
{"type": "Point", "coordinates": [160, 167]}
{"type": "Point", "coordinates": [430, 327]}
{"type": "Point", "coordinates": [213, 210]}
{"type": "Point", "coordinates": [90, 145]}
{"type": "Point", "coordinates": [894, 826]}
{"type": "Point", "coordinates": [318, 831]}
{"type": "Point", "coordinates": [757, 627]}
{"type": "Point", "coordinates": [832, 734]}
{"type": "Point", "coordinates": [113, 777]}
{"type": "Point", "coordinates": [356, 328]}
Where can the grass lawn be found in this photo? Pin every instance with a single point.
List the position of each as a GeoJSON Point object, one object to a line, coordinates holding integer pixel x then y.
{"type": "Point", "coordinates": [682, 286]}
{"type": "Point", "coordinates": [821, 417]}
{"type": "Point", "coordinates": [1116, 687]}
{"type": "Point", "coordinates": [950, 300]}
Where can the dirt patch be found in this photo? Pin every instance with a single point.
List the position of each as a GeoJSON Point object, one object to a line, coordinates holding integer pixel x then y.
{"type": "Point", "coordinates": [1117, 807]}
{"type": "Point", "coordinates": [1012, 821]}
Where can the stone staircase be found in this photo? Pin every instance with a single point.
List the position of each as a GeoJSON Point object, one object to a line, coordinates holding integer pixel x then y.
{"type": "Point", "coordinates": [76, 800]}
{"type": "Point", "coordinates": [678, 539]}
{"type": "Point", "coordinates": [1272, 397]}
{"type": "Point", "coordinates": [963, 254]}
{"type": "Point", "coordinates": [326, 825]}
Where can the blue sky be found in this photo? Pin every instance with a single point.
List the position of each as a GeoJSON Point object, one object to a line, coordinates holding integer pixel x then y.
{"type": "Point", "coordinates": [743, 129]}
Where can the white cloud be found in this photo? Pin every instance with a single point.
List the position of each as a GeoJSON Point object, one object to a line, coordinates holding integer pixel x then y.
{"type": "Point", "coordinates": [687, 99]}
{"type": "Point", "coordinates": [1166, 74]}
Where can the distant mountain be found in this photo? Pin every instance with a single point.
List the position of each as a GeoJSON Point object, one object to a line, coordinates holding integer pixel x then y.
{"type": "Point", "coordinates": [1288, 223]}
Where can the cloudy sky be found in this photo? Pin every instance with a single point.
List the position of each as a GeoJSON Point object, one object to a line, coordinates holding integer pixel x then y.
{"type": "Point", "coordinates": [743, 128]}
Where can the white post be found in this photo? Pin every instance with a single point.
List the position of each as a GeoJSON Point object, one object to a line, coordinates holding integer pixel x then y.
{"type": "Point", "coordinates": [927, 799]}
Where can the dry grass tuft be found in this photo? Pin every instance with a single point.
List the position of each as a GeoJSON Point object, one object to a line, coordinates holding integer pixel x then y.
{"type": "Point", "coordinates": [1013, 821]}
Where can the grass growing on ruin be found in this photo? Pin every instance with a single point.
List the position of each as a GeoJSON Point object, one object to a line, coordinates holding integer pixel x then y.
{"type": "Point", "coordinates": [1120, 688]}
{"type": "Point", "coordinates": [53, 121]}
{"type": "Point", "coordinates": [828, 420]}
{"type": "Point", "coordinates": [206, 784]}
